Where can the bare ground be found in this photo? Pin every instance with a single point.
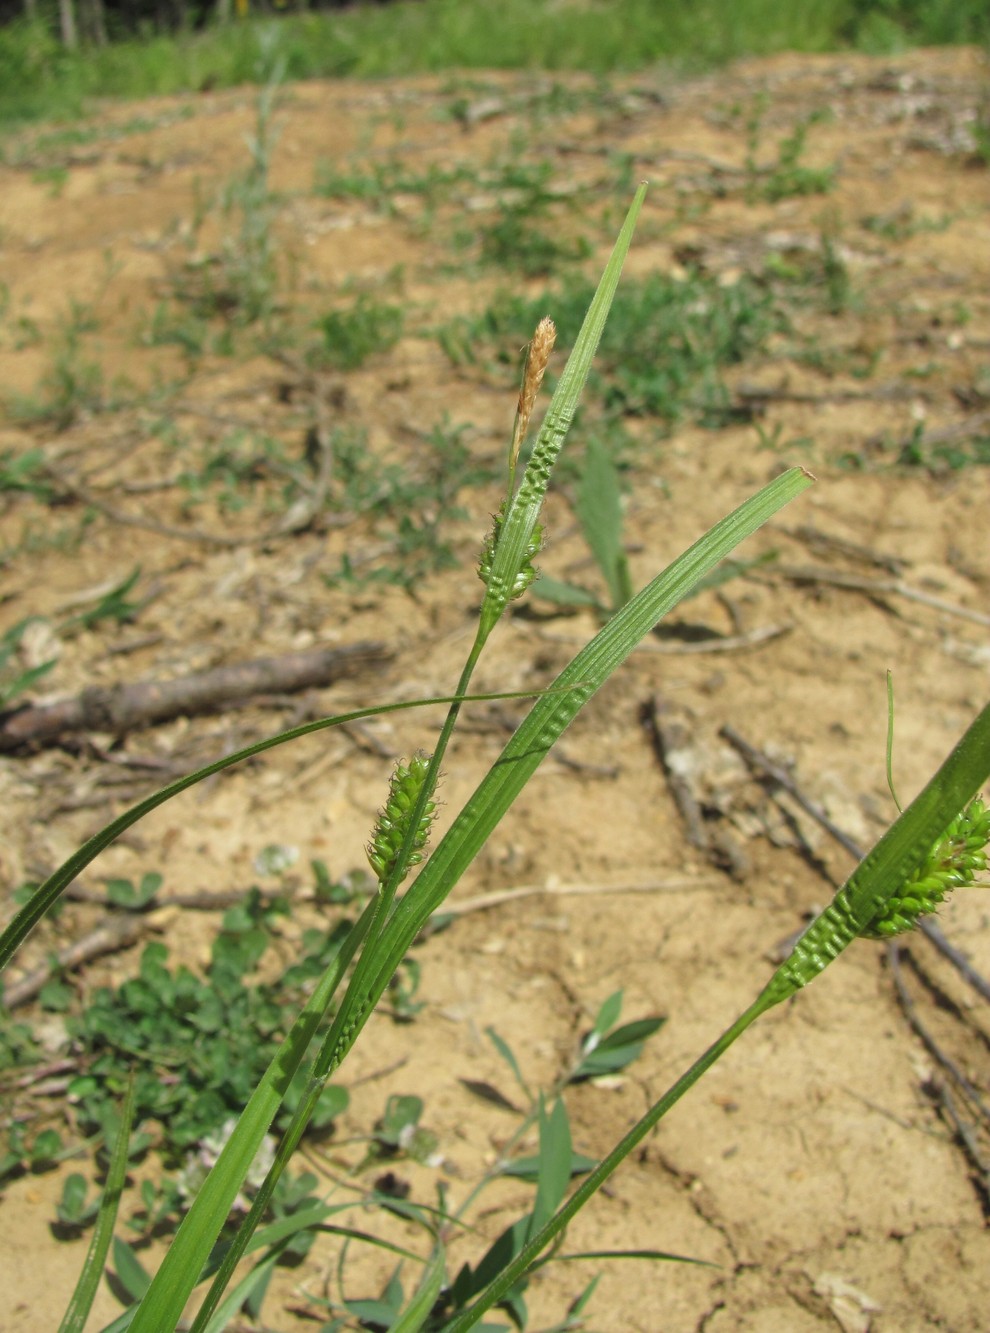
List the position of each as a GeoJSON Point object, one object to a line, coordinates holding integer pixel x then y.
{"type": "Point", "coordinates": [812, 1167]}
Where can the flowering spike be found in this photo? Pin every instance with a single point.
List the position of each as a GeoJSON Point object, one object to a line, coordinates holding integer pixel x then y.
{"type": "Point", "coordinates": [393, 822]}
{"type": "Point", "coordinates": [527, 571]}
{"type": "Point", "coordinates": [954, 862]}
{"type": "Point", "coordinates": [537, 358]}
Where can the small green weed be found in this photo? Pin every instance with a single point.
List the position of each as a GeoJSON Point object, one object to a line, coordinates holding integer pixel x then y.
{"type": "Point", "coordinates": [239, 281]}
{"type": "Point", "coordinates": [72, 386]}
{"type": "Point", "coordinates": [379, 182]}
{"type": "Point", "coordinates": [230, 471]}
{"type": "Point", "coordinates": [518, 237]}
{"type": "Point", "coordinates": [185, 328]}
{"type": "Point", "coordinates": [112, 605]}
{"type": "Point", "coordinates": [663, 348]}
{"type": "Point", "coordinates": [598, 505]}
{"type": "Point", "coordinates": [25, 473]}
{"type": "Point", "coordinates": [350, 336]}
{"type": "Point", "coordinates": [156, 1023]}
{"type": "Point", "coordinates": [412, 504]}
{"type": "Point", "coordinates": [788, 177]}
{"type": "Point", "coordinates": [16, 679]}
{"type": "Point", "coordinates": [901, 223]}
{"type": "Point", "coordinates": [944, 457]}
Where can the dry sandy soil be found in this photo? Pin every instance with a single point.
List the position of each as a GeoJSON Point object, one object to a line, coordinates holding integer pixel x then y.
{"type": "Point", "coordinates": [815, 1169]}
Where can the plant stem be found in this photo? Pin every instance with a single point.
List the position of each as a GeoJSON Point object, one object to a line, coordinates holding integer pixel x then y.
{"type": "Point", "coordinates": [527, 1256]}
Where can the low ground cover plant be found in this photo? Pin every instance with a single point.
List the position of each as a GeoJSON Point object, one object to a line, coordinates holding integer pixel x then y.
{"type": "Point", "coordinates": [935, 845]}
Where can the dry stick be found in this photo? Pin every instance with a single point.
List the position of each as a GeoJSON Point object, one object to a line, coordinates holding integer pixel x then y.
{"type": "Point", "coordinates": [895, 953]}
{"type": "Point", "coordinates": [77, 491]}
{"type": "Point", "coordinates": [484, 901]}
{"type": "Point", "coordinates": [879, 588]}
{"type": "Point", "coordinates": [765, 765]}
{"type": "Point", "coordinates": [959, 430]}
{"type": "Point", "coordinates": [761, 763]}
{"type": "Point", "coordinates": [820, 541]}
{"type": "Point", "coordinates": [668, 737]}
{"type": "Point", "coordinates": [963, 1130]}
{"type": "Point", "coordinates": [965, 1134]}
{"type": "Point", "coordinates": [123, 708]}
{"type": "Point", "coordinates": [113, 934]}
{"type": "Point", "coordinates": [755, 394]}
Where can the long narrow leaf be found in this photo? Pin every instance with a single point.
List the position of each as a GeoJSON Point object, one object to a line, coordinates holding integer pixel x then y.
{"type": "Point", "coordinates": [187, 1256]}
{"type": "Point", "coordinates": [553, 713]}
{"type": "Point", "coordinates": [424, 1298]}
{"type": "Point", "coordinates": [524, 507]}
{"type": "Point", "coordinates": [903, 845]}
{"type": "Point", "coordinates": [48, 893]}
{"type": "Point", "coordinates": [99, 1246]}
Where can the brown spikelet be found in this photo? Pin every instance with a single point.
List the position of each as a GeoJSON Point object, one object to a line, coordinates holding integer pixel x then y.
{"type": "Point", "coordinates": [536, 364]}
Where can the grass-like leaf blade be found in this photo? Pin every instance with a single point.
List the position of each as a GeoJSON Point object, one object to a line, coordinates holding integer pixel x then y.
{"type": "Point", "coordinates": [99, 1245]}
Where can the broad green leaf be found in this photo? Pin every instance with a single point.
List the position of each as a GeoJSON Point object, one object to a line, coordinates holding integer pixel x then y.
{"type": "Point", "coordinates": [608, 1014]}
{"type": "Point", "coordinates": [555, 1164]}
{"type": "Point", "coordinates": [129, 1269]}
{"type": "Point", "coordinates": [599, 511]}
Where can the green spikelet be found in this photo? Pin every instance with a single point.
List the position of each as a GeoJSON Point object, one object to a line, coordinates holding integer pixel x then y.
{"type": "Point", "coordinates": [954, 862]}
{"type": "Point", "coordinates": [527, 571]}
{"type": "Point", "coordinates": [393, 822]}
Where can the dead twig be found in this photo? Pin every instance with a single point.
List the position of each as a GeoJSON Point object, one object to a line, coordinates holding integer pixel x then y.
{"type": "Point", "coordinates": [878, 588]}
{"type": "Point", "coordinates": [670, 742]}
{"type": "Point", "coordinates": [123, 708]}
{"type": "Point", "coordinates": [958, 430]}
{"type": "Point", "coordinates": [485, 901]}
{"type": "Point", "coordinates": [112, 935]}
{"type": "Point", "coordinates": [828, 542]}
{"type": "Point", "coordinates": [895, 953]}
{"type": "Point", "coordinates": [763, 766]}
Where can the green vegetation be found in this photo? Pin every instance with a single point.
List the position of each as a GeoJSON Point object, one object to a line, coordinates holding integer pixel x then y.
{"type": "Point", "coordinates": [701, 325]}
{"type": "Point", "coordinates": [350, 336]}
{"type": "Point", "coordinates": [38, 77]}
{"type": "Point", "coordinates": [413, 505]}
{"type": "Point", "coordinates": [788, 176]}
{"type": "Point", "coordinates": [232, 1043]}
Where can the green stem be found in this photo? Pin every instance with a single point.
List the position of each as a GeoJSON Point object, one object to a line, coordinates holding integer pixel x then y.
{"type": "Point", "coordinates": [527, 1256]}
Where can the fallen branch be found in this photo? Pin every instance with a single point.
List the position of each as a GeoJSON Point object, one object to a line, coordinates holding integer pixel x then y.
{"type": "Point", "coordinates": [485, 901]}
{"type": "Point", "coordinates": [879, 588]}
{"type": "Point", "coordinates": [124, 708]}
{"type": "Point", "coordinates": [671, 742]}
{"type": "Point", "coordinates": [115, 933]}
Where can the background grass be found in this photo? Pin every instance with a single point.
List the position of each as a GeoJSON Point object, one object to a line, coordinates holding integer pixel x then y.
{"type": "Point", "coordinates": [38, 77]}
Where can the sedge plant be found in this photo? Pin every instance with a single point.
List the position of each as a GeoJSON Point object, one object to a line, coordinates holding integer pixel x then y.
{"type": "Point", "coordinates": [902, 878]}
